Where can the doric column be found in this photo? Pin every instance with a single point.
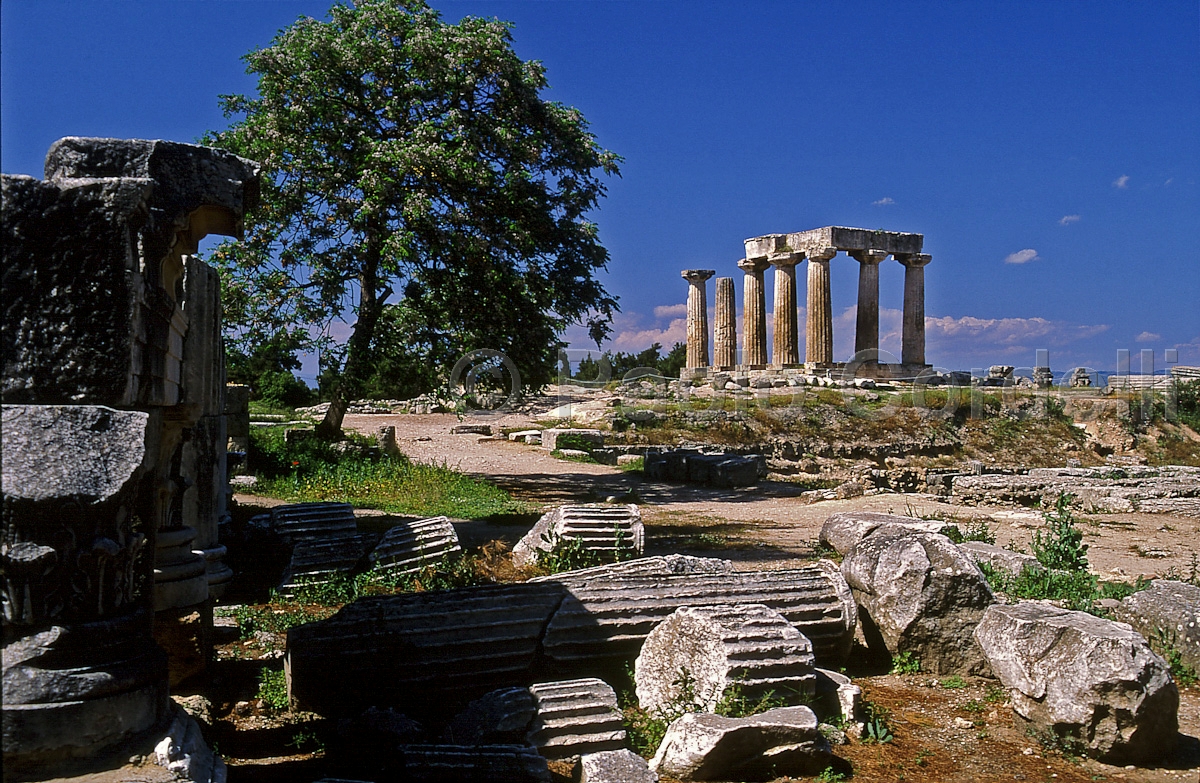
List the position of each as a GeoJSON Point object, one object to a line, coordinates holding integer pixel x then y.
{"type": "Point", "coordinates": [912, 350]}
{"type": "Point", "coordinates": [818, 338]}
{"type": "Point", "coordinates": [725, 331]}
{"type": "Point", "coordinates": [866, 332]}
{"type": "Point", "coordinates": [697, 316]}
{"type": "Point", "coordinates": [786, 351]}
{"type": "Point", "coordinates": [754, 313]}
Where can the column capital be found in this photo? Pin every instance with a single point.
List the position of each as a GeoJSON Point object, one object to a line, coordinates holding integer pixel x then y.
{"type": "Point", "coordinates": [822, 254]}
{"type": "Point", "coordinates": [913, 259]}
{"type": "Point", "coordinates": [785, 259]}
{"type": "Point", "coordinates": [753, 264]}
{"type": "Point", "coordinates": [868, 256]}
{"type": "Point", "coordinates": [697, 275]}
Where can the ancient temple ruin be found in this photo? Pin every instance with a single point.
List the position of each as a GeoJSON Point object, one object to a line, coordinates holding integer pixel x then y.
{"type": "Point", "coordinates": [114, 442]}
{"type": "Point", "coordinates": [786, 252]}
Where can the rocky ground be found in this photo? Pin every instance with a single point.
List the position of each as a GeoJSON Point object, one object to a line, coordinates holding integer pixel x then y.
{"type": "Point", "coordinates": [942, 733]}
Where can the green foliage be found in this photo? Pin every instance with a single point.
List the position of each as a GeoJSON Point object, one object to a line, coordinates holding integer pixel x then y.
{"type": "Point", "coordinates": [954, 682]}
{"type": "Point", "coordinates": [275, 618]}
{"type": "Point", "coordinates": [449, 572]}
{"type": "Point", "coordinates": [975, 706]}
{"type": "Point", "coordinates": [267, 368]}
{"type": "Point", "coordinates": [305, 739]}
{"type": "Point", "coordinates": [1068, 746]}
{"type": "Point", "coordinates": [828, 775]}
{"type": "Point", "coordinates": [995, 694]}
{"type": "Point", "coordinates": [876, 728]}
{"type": "Point", "coordinates": [972, 530]}
{"type": "Point", "coordinates": [312, 469]}
{"type": "Point", "coordinates": [1191, 576]}
{"type": "Point", "coordinates": [414, 161]}
{"type": "Point", "coordinates": [1077, 589]}
{"type": "Point", "coordinates": [1187, 403]}
{"type": "Point", "coordinates": [905, 663]}
{"type": "Point", "coordinates": [565, 554]}
{"type": "Point", "coordinates": [1060, 545]}
{"type": "Point", "coordinates": [633, 467]}
{"type": "Point", "coordinates": [1164, 641]}
{"type": "Point", "coordinates": [617, 366]}
{"type": "Point", "coordinates": [272, 688]}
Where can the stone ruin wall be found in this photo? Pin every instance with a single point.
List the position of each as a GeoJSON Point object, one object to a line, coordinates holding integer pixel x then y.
{"type": "Point", "coordinates": [113, 434]}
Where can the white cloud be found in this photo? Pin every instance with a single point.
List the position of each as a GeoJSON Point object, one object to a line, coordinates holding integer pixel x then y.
{"type": "Point", "coordinates": [886, 201]}
{"type": "Point", "coordinates": [669, 311]}
{"type": "Point", "coordinates": [1022, 256]}
{"type": "Point", "coordinates": [1148, 337]}
{"type": "Point", "coordinates": [1168, 182]}
{"type": "Point", "coordinates": [1067, 220]}
{"type": "Point", "coordinates": [1121, 182]}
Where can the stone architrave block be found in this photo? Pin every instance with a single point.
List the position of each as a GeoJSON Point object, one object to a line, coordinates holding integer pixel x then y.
{"type": "Point", "coordinates": [500, 717]}
{"type": "Point", "coordinates": [782, 741]}
{"type": "Point", "coordinates": [843, 530]}
{"type": "Point", "coordinates": [612, 531]}
{"type": "Point", "coordinates": [919, 594]}
{"type": "Point", "coordinates": [615, 766]}
{"type": "Point", "coordinates": [714, 648]}
{"type": "Point", "coordinates": [1085, 677]}
{"type": "Point", "coordinates": [575, 717]}
{"type": "Point", "coordinates": [1166, 612]}
{"type": "Point", "coordinates": [1000, 559]}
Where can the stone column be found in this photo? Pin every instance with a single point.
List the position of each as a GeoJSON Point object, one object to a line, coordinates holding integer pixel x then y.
{"type": "Point", "coordinates": [754, 313]}
{"type": "Point", "coordinates": [818, 341]}
{"type": "Point", "coordinates": [912, 349]}
{"type": "Point", "coordinates": [786, 351]}
{"type": "Point", "coordinates": [697, 316]}
{"type": "Point", "coordinates": [866, 332]}
{"type": "Point", "coordinates": [725, 332]}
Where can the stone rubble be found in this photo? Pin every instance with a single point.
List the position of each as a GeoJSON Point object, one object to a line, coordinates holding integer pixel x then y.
{"type": "Point", "coordinates": [715, 648]}
{"type": "Point", "coordinates": [697, 467]}
{"type": "Point", "coordinates": [842, 531]}
{"type": "Point", "coordinates": [1167, 611]}
{"type": "Point", "coordinates": [408, 546]}
{"type": "Point", "coordinates": [574, 717]}
{"type": "Point", "coordinates": [500, 717]}
{"type": "Point", "coordinates": [1084, 677]}
{"type": "Point", "coordinates": [615, 766]}
{"type": "Point", "coordinates": [782, 741]}
{"type": "Point", "coordinates": [1172, 489]}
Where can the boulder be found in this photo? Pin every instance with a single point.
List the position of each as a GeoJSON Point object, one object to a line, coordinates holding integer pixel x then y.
{"type": "Point", "coordinates": [709, 649]}
{"type": "Point", "coordinates": [782, 741]}
{"type": "Point", "coordinates": [1000, 559]}
{"type": "Point", "coordinates": [612, 531]}
{"type": "Point", "coordinates": [920, 594]}
{"type": "Point", "coordinates": [615, 766]}
{"type": "Point", "coordinates": [843, 530]}
{"type": "Point", "coordinates": [1083, 677]}
{"type": "Point", "coordinates": [575, 717]}
{"type": "Point", "coordinates": [1167, 612]}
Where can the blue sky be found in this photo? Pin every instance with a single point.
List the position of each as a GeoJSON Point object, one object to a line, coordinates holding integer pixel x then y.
{"type": "Point", "coordinates": [1047, 151]}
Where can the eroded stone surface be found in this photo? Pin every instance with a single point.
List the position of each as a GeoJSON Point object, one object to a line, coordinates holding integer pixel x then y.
{"type": "Point", "coordinates": [1005, 560]}
{"type": "Point", "coordinates": [611, 531]}
{"type": "Point", "coordinates": [574, 717]}
{"type": "Point", "coordinates": [782, 741]}
{"type": "Point", "coordinates": [1085, 677]}
{"type": "Point", "coordinates": [845, 529]}
{"type": "Point", "coordinates": [1167, 612]}
{"type": "Point", "coordinates": [919, 594]}
{"type": "Point", "coordinates": [497, 718]}
{"type": "Point", "coordinates": [615, 766]}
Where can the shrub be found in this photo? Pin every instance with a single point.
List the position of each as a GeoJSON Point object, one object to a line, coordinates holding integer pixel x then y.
{"type": "Point", "coordinates": [972, 530]}
{"type": "Point", "coordinates": [1060, 545]}
{"type": "Point", "coordinates": [905, 663]}
{"type": "Point", "coordinates": [272, 688]}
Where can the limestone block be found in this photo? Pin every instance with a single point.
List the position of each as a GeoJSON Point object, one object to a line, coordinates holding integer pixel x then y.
{"type": "Point", "coordinates": [500, 717]}
{"type": "Point", "coordinates": [615, 766]}
{"type": "Point", "coordinates": [1167, 612]}
{"type": "Point", "coordinates": [919, 594]}
{"type": "Point", "coordinates": [611, 531]}
{"type": "Point", "coordinates": [1085, 677]}
{"type": "Point", "coordinates": [659, 565]}
{"type": "Point", "coordinates": [471, 429]}
{"type": "Point", "coordinates": [714, 648]}
{"type": "Point", "coordinates": [837, 697]}
{"type": "Point", "coordinates": [782, 741]}
{"type": "Point", "coordinates": [304, 521]}
{"type": "Point", "coordinates": [575, 717]}
{"type": "Point", "coordinates": [1003, 560]}
{"type": "Point", "coordinates": [843, 530]}
{"type": "Point", "coordinates": [550, 437]}
{"type": "Point", "coordinates": [604, 618]}
{"type": "Point", "coordinates": [409, 546]}
{"type": "Point", "coordinates": [318, 559]}
{"type": "Point", "coordinates": [183, 752]}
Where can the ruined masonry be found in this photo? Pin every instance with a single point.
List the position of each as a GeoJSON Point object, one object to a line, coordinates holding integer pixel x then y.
{"type": "Point", "coordinates": [613, 532]}
{"type": "Point", "coordinates": [786, 252]}
{"type": "Point", "coordinates": [114, 439]}
{"type": "Point", "coordinates": [575, 717]}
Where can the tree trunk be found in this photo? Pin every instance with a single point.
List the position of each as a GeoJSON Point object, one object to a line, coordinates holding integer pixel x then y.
{"type": "Point", "coordinates": [370, 305]}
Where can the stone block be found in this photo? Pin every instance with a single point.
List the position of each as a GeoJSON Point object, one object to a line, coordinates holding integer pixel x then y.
{"type": "Point", "coordinates": [615, 766]}
{"type": "Point", "coordinates": [501, 717]}
{"type": "Point", "coordinates": [409, 546]}
{"type": "Point", "coordinates": [575, 717]}
{"type": "Point", "coordinates": [611, 531]}
{"type": "Point", "coordinates": [1168, 612]}
{"type": "Point", "coordinates": [1080, 676]}
{"type": "Point", "coordinates": [471, 429]}
{"type": "Point", "coordinates": [459, 763]}
{"type": "Point", "coordinates": [843, 530]}
{"type": "Point", "coordinates": [550, 437]}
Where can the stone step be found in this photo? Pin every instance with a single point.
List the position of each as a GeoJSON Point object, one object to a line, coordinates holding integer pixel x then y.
{"type": "Point", "coordinates": [409, 545]}
{"type": "Point", "coordinates": [426, 652]}
{"type": "Point", "coordinates": [605, 619]}
{"type": "Point", "coordinates": [575, 717]}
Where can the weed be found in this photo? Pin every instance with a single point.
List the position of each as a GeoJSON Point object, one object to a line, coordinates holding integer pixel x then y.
{"type": "Point", "coordinates": [633, 466]}
{"type": "Point", "coordinates": [975, 706]}
{"type": "Point", "coordinates": [272, 688]}
{"type": "Point", "coordinates": [1164, 642]}
{"type": "Point", "coordinates": [558, 454]}
{"type": "Point", "coordinates": [954, 682]}
{"type": "Point", "coordinates": [923, 755]}
{"type": "Point", "coordinates": [1078, 590]}
{"type": "Point", "coordinates": [1191, 576]}
{"type": "Point", "coordinates": [829, 776]}
{"type": "Point", "coordinates": [565, 554]}
{"type": "Point", "coordinates": [1060, 545]}
{"type": "Point", "coordinates": [274, 618]}
{"type": "Point", "coordinates": [906, 663]}
{"type": "Point", "coordinates": [972, 530]}
{"type": "Point", "coordinates": [1068, 746]}
{"type": "Point", "coordinates": [305, 738]}
{"type": "Point", "coordinates": [876, 729]}
{"type": "Point", "coordinates": [995, 694]}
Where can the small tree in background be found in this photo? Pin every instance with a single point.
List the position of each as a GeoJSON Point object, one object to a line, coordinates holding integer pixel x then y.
{"type": "Point", "coordinates": [413, 163]}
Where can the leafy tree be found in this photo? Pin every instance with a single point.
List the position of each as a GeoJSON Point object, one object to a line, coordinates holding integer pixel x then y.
{"type": "Point", "coordinates": [267, 368]}
{"type": "Point", "coordinates": [621, 363]}
{"type": "Point", "coordinates": [413, 162]}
